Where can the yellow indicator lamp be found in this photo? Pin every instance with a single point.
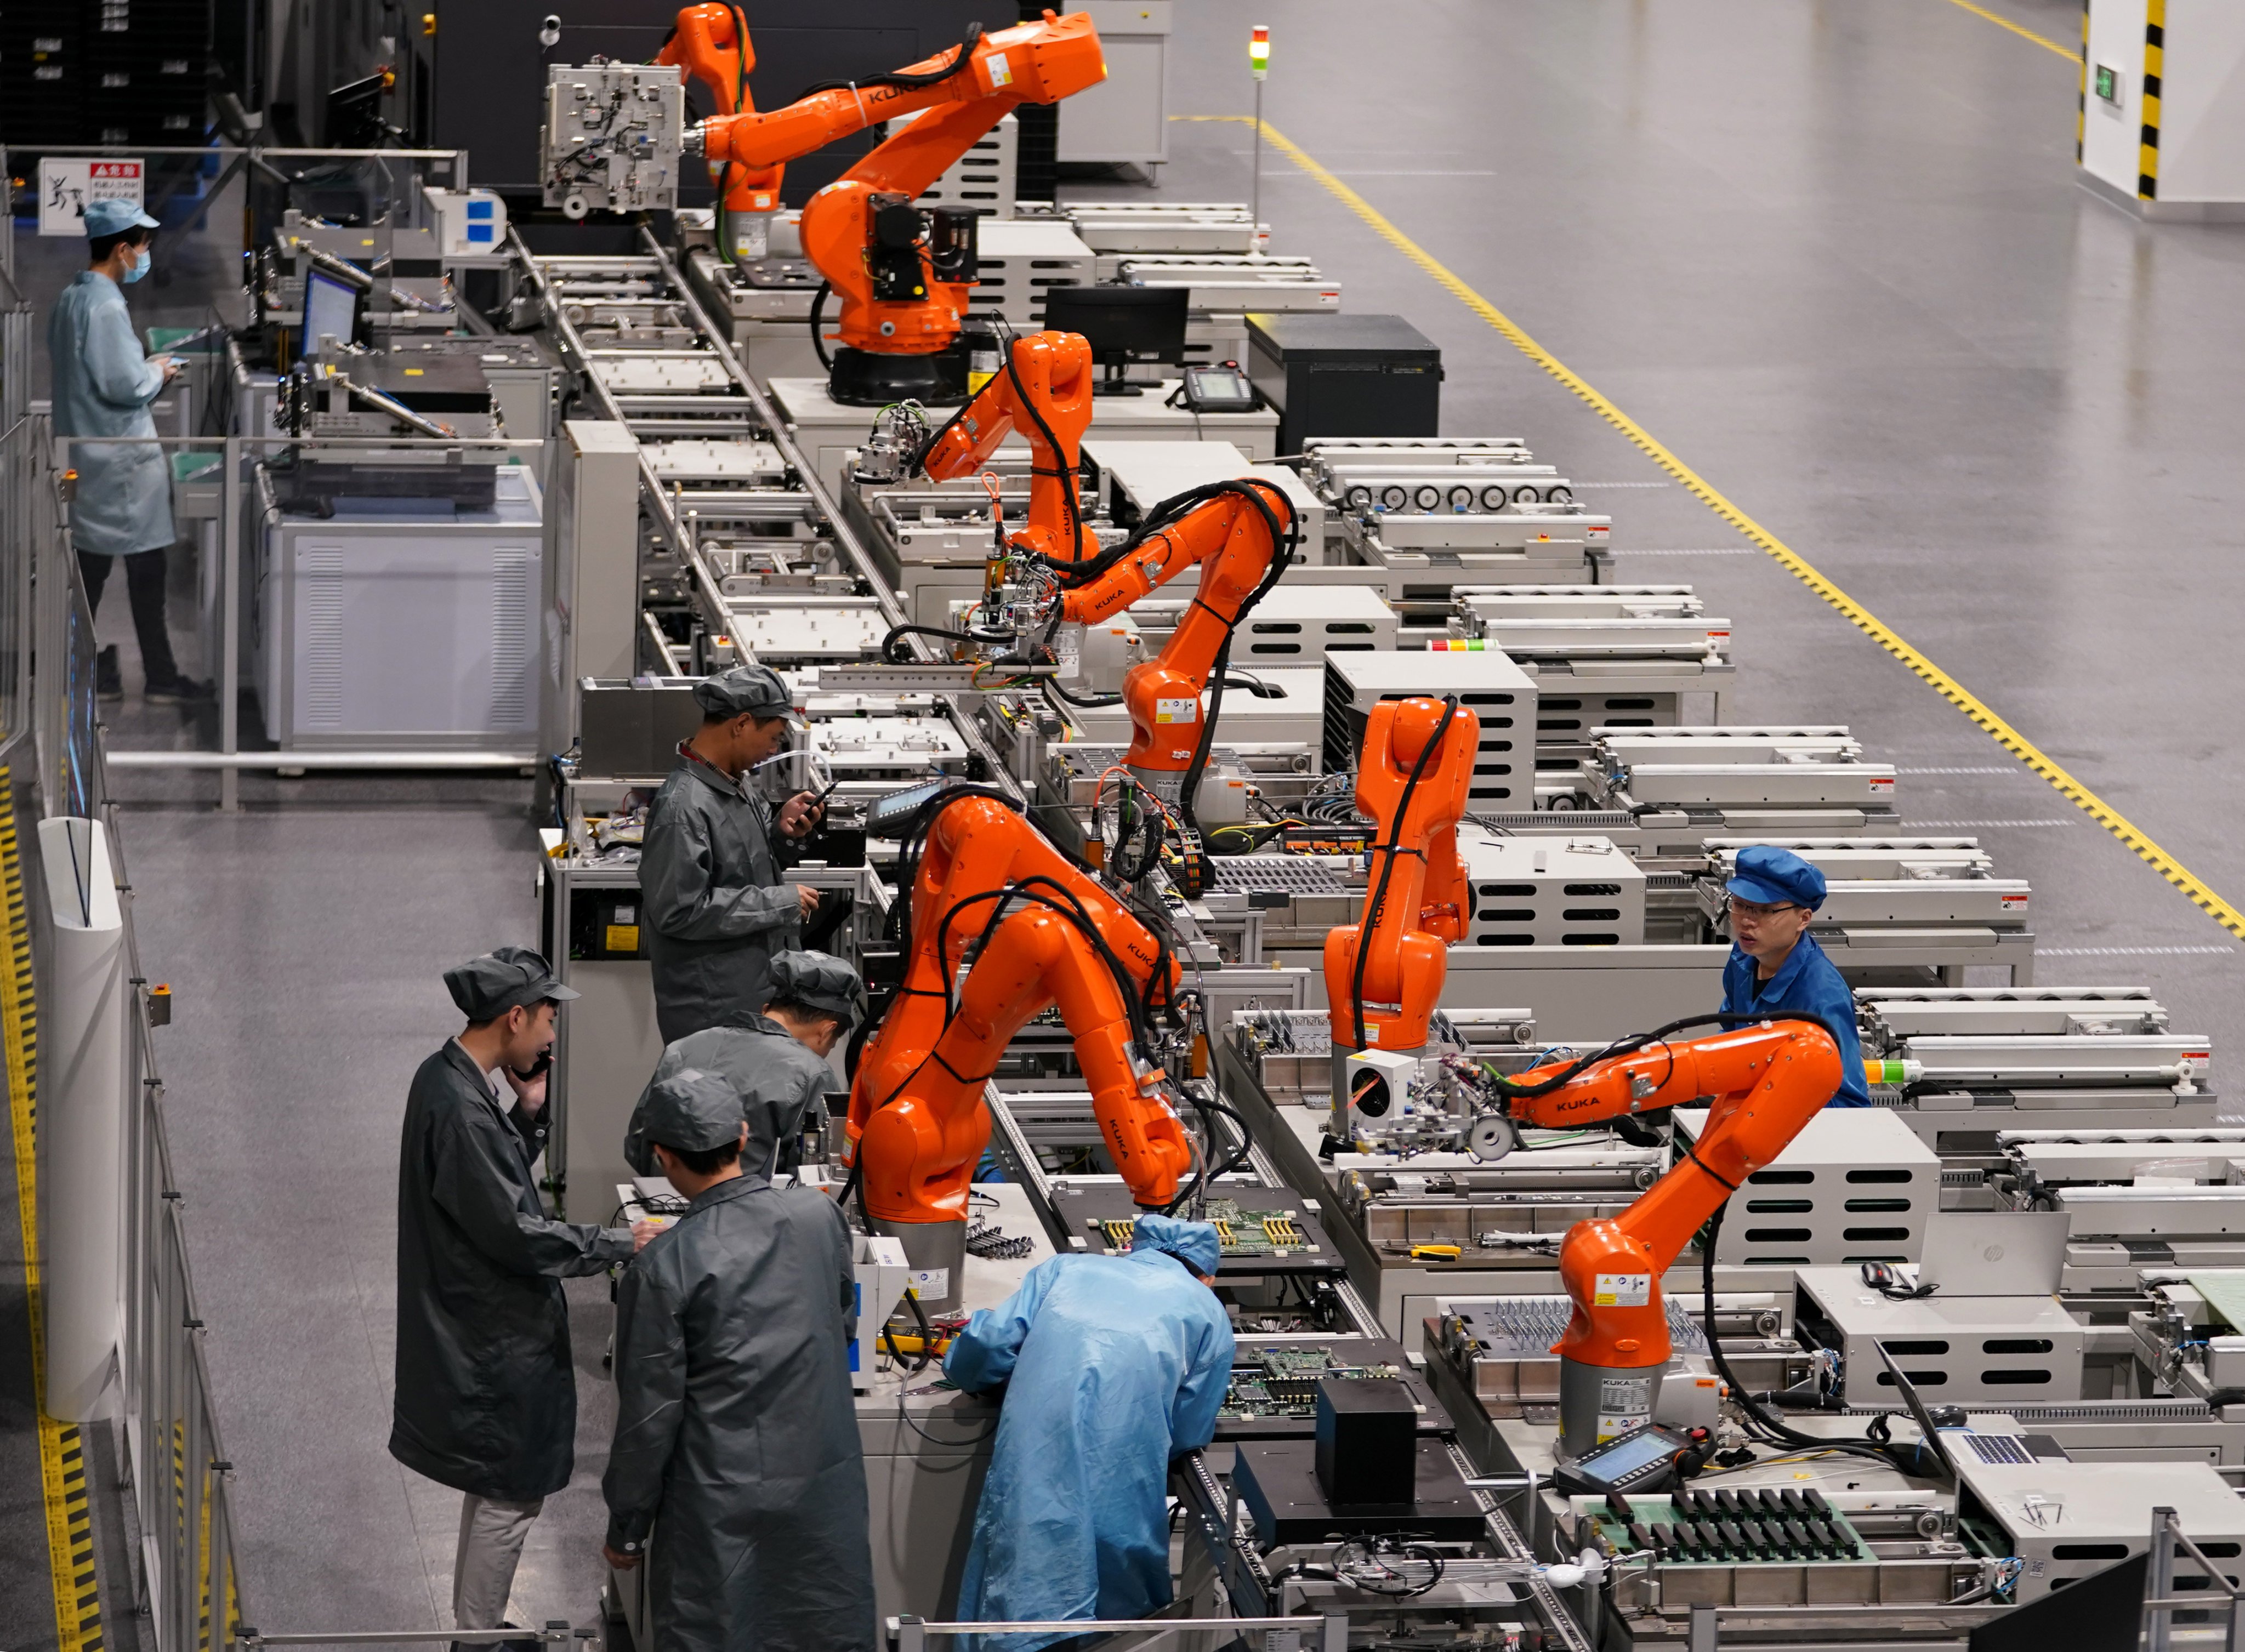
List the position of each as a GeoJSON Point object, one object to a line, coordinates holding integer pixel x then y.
{"type": "Point", "coordinates": [1258, 51]}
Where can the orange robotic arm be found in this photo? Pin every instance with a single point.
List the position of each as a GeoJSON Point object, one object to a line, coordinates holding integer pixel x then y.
{"type": "Point", "coordinates": [1047, 397]}
{"type": "Point", "coordinates": [1384, 975]}
{"type": "Point", "coordinates": [966, 89]}
{"type": "Point", "coordinates": [1762, 1084]}
{"type": "Point", "coordinates": [917, 1121]}
{"type": "Point", "coordinates": [1238, 534]}
{"type": "Point", "coordinates": [710, 44]}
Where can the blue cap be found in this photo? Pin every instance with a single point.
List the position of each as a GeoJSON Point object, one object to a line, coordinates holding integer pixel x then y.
{"type": "Point", "coordinates": [107, 217]}
{"type": "Point", "coordinates": [1194, 1244]}
{"type": "Point", "coordinates": [1772, 877]}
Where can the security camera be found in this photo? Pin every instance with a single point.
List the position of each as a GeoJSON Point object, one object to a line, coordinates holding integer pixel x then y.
{"type": "Point", "coordinates": [549, 32]}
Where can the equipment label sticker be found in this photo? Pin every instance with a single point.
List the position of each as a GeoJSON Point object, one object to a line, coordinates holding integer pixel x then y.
{"type": "Point", "coordinates": [1880, 787]}
{"type": "Point", "coordinates": [931, 1282]}
{"type": "Point", "coordinates": [2014, 903]}
{"type": "Point", "coordinates": [1623, 1290]}
{"type": "Point", "coordinates": [1176, 711]}
{"type": "Point", "coordinates": [1001, 72]}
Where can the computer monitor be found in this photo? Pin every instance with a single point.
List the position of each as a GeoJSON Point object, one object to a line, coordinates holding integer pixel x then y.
{"type": "Point", "coordinates": [331, 308]}
{"type": "Point", "coordinates": [1123, 325]}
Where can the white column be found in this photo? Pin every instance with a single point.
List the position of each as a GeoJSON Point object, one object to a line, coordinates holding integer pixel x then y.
{"type": "Point", "coordinates": [2163, 107]}
{"type": "Point", "coordinates": [84, 1021]}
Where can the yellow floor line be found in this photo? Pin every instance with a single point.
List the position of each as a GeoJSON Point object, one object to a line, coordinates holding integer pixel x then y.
{"type": "Point", "coordinates": [1949, 689]}
{"type": "Point", "coordinates": [62, 1464]}
{"type": "Point", "coordinates": [2048, 44]}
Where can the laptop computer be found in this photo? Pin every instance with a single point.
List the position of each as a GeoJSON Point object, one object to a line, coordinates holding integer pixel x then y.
{"type": "Point", "coordinates": [2005, 1253]}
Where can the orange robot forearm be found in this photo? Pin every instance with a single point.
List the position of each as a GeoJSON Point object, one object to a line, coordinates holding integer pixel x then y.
{"type": "Point", "coordinates": [704, 48]}
{"type": "Point", "coordinates": [916, 1122]}
{"type": "Point", "coordinates": [1050, 404]}
{"type": "Point", "coordinates": [1412, 875]}
{"type": "Point", "coordinates": [1763, 1083]}
{"type": "Point", "coordinates": [1229, 539]}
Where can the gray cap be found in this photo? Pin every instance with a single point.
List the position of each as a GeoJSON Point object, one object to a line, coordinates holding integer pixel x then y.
{"type": "Point", "coordinates": [820, 981]}
{"type": "Point", "coordinates": [752, 688]}
{"type": "Point", "coordinates": [693, 1111]}
{"type": "Point", "coordinates": [487, 988]}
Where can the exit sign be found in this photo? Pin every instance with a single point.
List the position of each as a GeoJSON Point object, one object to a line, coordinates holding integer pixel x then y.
{"type": "Point", "coordinates": [2108, 84]}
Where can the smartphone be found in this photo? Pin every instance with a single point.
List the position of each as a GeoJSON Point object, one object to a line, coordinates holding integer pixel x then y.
{"type": "Point", "coordinates": [542, 1065]}
{"type": "Point", "coordinates": [820, 799]}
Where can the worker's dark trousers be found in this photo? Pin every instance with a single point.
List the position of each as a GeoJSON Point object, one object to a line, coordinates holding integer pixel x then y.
{"type": "Point", "coordinates": [143, 586]}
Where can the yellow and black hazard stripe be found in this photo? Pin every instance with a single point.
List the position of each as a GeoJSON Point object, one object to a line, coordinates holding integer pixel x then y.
{"type": "Point", "coordinates": [2081, 98]}
{"type": "Point", "coordinates": [62, 1451]}
{"type": "Point", "coordinates": [2155, 51]}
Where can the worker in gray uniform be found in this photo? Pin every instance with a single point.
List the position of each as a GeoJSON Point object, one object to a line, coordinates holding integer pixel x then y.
{"type": "Point", "coordinates": [716, 906]}
{"type": "Point", "coordinates": [486, 1396]}
{"type": "Point", "coordinates": [775, 1061]}
{"type": "Point", "coordinates": [737, 1449]}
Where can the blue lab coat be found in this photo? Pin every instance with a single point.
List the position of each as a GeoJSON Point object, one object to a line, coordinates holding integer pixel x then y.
{"type": "Point", "coordinates": [1810, 983]}
{"type": "Point", "coordinates": [103, 384]}
{"type": "Point", "coordinates": [1117, 1363]}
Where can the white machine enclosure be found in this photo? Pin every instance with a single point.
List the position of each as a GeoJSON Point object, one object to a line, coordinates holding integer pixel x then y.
{"type": "Point", "coordinates": [1018, 260]}
{"type": "Point", "coordinates": [1550, 892]}
{"type": "Point", "coordinates": [1970, 1351]}
{"type": "Point", "coordinates": [1501, 694]}
{"type": "Point", "coordinates": [1856, 1185]}
{"type": "Point", "coordinates": [2067, 1519]}
{"type": "Point", "coordinates": [382, 631]}
{"type": "Point", "coordinates": [881, 1273]}
{"type": "Point", "coordinates": [1292, 624]}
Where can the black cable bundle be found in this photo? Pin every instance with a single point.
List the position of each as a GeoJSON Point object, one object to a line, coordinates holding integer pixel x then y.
{"type": "Point", "coordinates": [1387, 865]}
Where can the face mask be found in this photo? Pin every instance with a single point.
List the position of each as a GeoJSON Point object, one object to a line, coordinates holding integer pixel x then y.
{"type": "Point", "coordinates": [140, 268]}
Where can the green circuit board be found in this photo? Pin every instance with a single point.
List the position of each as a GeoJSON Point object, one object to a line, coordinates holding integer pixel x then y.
{"type": "Point", "coordinates": [1239, 1232]}
{"type": "Point", "coordinates": [1748, 1526]}
{"type": "Point", "coordinates": [1282, 1382]}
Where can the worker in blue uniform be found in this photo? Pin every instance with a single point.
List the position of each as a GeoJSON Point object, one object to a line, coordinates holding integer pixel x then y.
{"type": "Point", "coordinates": [1776, 965]}
{"type": "Point", "coordinates": [1116, 1365]}
{"type": "Point", "coordinates": [104, 384]}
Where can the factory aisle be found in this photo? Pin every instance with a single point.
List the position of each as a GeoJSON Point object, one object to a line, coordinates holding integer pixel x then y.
{"type": "Point", "coordinates": [1831, 253]}
{"type": "Point", "coordinates": [304, 940]}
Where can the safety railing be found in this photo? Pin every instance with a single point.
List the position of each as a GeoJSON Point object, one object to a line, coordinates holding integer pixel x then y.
{"type": "Point", "coordinates": [184, 1576]}
{"type": "Point", "coordinates": [2221, 1600]}
{"type": "Point", "coordinates": [20, 439]}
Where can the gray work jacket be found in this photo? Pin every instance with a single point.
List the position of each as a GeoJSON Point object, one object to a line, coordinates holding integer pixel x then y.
{"type": "Point", "coordinates": [485, 1399]}
{"type": "Point", "coordinates": [715, 907]}
{"type": "Point", "coordinates": [736, 1438]}
{"type": "Point", "coordinates": [777, 1077]}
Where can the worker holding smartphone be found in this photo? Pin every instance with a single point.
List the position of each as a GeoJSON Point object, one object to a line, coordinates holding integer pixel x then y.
{"type": "Point", "coordinates": [716, 909]}
{"type": "Point", "coordinates": [485, 1391]}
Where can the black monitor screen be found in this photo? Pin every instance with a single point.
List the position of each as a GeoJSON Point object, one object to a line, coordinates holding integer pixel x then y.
{"type": "Point", "coordinates": [1121, 323]}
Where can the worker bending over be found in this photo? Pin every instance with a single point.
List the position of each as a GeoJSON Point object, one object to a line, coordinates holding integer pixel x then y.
{"type": "Point", "coordinates": [1116, 1365]}
{"type": "Point", "coordinates": [715, 906]}
{"type": "Point", "coordinates": [736, 1439]}
{"type": "Point", "coordinates": [1775, 964]}
{"type": "Point", "coordinates": [775, 1061]}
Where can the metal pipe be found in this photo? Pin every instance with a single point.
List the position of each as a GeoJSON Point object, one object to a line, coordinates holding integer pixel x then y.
{"type": "Point", "coordinates": [322, 760]}
{"type": "Point", "coordinates": [229, 596]}
{"type": "Point", "coordinates": [384, 401]}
